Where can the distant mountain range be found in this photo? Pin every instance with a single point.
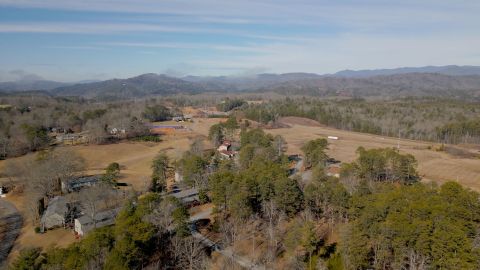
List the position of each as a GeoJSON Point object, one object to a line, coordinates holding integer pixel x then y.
{"type": "Point", "coordinates": [445, 81]}
{"type": "Point", "coordinates": [26, 85]}
{"type": "Point", "coordinates": [140, 86]}
{"type": "Point", "coordinates": [446, 70]}
{"type": "Point", "coordinates": [398, 85]}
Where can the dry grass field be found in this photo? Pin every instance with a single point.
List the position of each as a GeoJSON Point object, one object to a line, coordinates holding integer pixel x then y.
{"type": "Point", "coordinates": [433, 165]}
{"type": "Point", "coordinates": [135, 159]}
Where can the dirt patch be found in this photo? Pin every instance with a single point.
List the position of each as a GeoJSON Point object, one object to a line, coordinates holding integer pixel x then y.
{"type": "Point", "coordinates": [292, 120]}
{"type": "Point", "coordinates": [460, 152]}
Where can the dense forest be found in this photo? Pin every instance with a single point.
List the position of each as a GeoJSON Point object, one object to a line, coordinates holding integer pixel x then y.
{"type": "Point", "coordinates": [377, 215]}
{"type": "Point", "coordinates": [439, 120]}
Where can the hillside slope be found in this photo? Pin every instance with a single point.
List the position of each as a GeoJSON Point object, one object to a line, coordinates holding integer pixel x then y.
{"type": "Point", "coordinates": [399, 85]}
{"type": "Point", "coordinates": [140, 86]}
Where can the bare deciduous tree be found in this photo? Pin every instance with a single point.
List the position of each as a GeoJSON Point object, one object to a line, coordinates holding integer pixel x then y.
{"type": "Point", "coordinates": [274, 217]}
{"type": "Point", "coordinates": [95, 199]}
{"type": "Point", "coordinates": [161, 216]}
{"type": "Point", "coordinates": [190, 253]}
{"type": "Point", "coordinates": [197, 146]}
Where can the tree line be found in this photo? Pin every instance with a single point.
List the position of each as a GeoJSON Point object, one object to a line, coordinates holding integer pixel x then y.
{"type": "Point", "coordinates": [432, 119]}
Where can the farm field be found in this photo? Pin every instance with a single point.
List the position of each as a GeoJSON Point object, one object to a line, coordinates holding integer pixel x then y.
{"type": "Point", "coordinates": [433, 165]}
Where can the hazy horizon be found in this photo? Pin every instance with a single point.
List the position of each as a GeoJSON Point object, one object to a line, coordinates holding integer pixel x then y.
{"type": "Point", "coordinates": [24, 76]}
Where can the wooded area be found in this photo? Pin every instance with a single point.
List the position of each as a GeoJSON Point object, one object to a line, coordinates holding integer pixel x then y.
{"type": "Point", "coordinates": [431, 119]}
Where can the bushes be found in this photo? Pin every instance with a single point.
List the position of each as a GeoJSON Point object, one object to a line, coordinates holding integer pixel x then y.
{"type": "Point", "coordinates": [230, 104]}
{"type": "Point", "coordinates": [29, 259]}
{"type": "Point", "coordinates": [147, 138]}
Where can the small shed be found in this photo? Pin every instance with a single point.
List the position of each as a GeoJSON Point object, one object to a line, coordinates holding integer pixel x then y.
{"type": "Point", "coordinates": [55, 214]}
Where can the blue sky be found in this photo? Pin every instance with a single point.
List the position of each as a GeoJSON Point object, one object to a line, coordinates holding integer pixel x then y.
{"type": "Point", "coordinates": [77, 40]}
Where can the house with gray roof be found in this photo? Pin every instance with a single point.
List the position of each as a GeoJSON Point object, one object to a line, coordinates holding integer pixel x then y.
{"type": "Point", "coordinates": [55, 214]}
{"type": "Point", "coordinates": [75, 184]}
{"type": "Point", "coordinates": [85, 223]}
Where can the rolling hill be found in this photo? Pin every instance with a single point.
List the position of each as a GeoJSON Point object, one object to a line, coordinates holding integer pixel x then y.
{"type": "Point", "coordinates": [28, 85]}
{"type": "Point", "coordinates": [447, 81]}
{"type": "Point", "coordinates": [445, 70]}
{"type": "Point", "coordinates": [397, 85]}
{"type": "Point", "coordinates": [139, 86]}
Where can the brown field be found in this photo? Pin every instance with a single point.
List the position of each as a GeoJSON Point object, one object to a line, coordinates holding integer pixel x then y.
{"type": "Point", "coordinates": [433, 165]}
{"type": "Point", "coordinates": [135, 159]}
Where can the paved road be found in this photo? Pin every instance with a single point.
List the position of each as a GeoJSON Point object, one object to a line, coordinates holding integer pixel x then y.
{"type": "Point", "coordinates": [10, 225]}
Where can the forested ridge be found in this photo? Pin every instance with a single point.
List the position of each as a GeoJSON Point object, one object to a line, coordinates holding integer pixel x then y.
{"type": "Point", "coordinates": [459, 83]}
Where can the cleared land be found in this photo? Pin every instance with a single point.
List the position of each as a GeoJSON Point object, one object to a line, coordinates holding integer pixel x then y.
{"type": "Point", "coordinates": [433, 165]}
{"type": "Point", "coordinates": [135, 159]}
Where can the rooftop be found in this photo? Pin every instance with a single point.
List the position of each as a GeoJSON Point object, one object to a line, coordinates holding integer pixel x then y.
{"type": "Point", "coordinates": [57, 205]}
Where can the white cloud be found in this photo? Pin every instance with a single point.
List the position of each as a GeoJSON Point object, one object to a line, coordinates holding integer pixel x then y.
{"type": "Point", "coordinates": [301, 11]}
{"type": "Point", "coordinates": [278, 35]}
{"type": "Point", "coordinates": [354, 51]}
